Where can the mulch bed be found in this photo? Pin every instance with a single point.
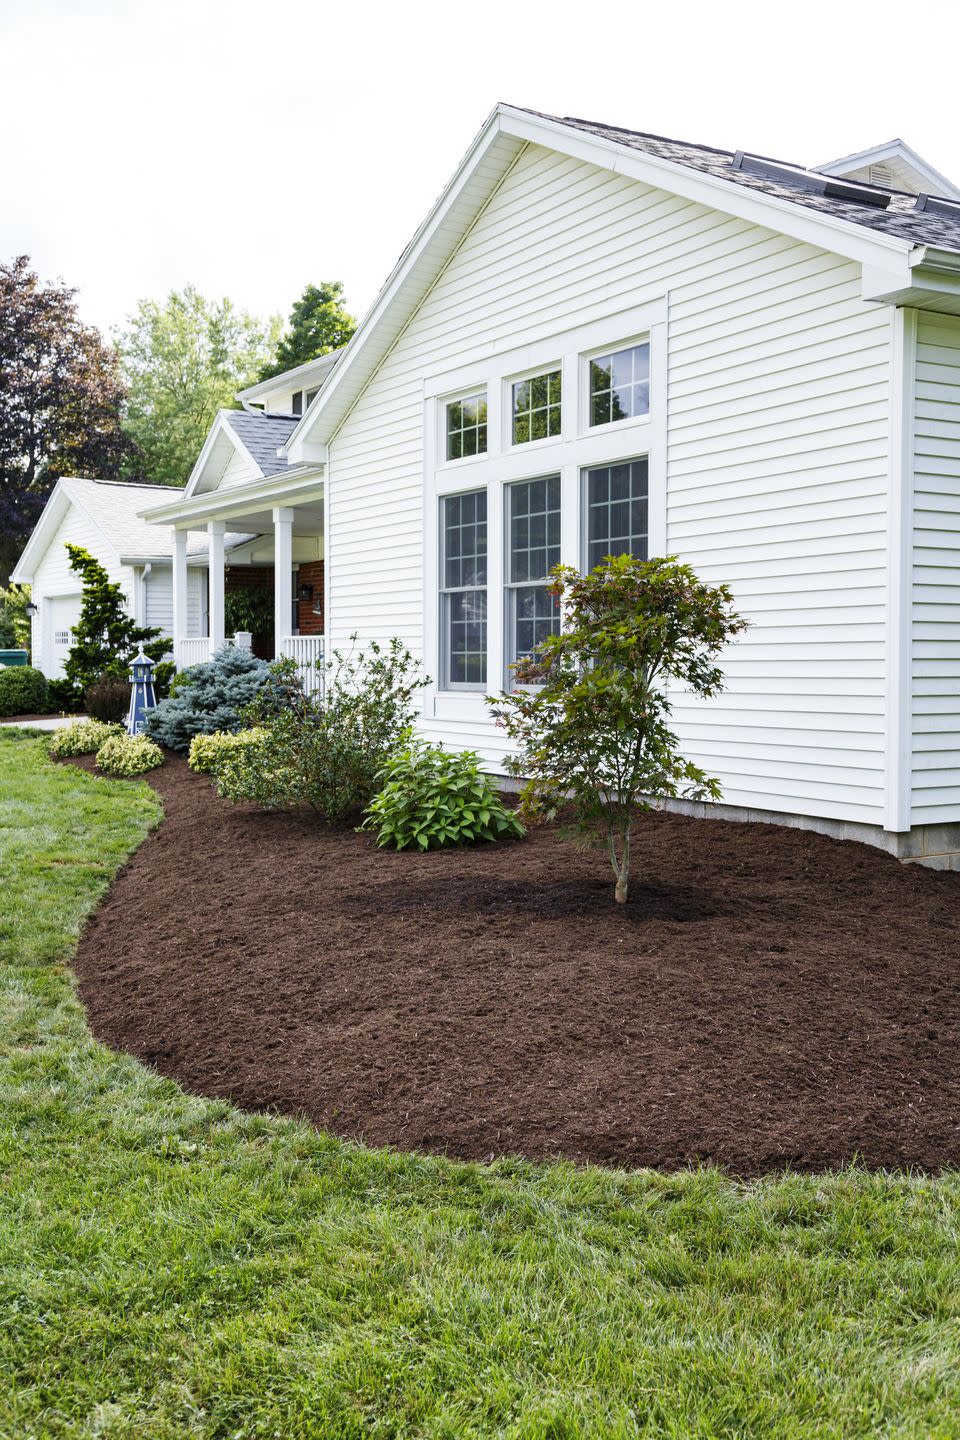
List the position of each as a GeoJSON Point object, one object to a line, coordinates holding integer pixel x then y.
{"type": "Point", "coordinates": [767, 998]}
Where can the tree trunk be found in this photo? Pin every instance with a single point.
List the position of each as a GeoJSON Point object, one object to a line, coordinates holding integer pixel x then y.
{"type": "Point", "coordinates": [621, 864]}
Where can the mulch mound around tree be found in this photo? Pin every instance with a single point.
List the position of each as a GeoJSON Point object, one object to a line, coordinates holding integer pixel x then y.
{"type": "Point", "coordinates": [767, 998]}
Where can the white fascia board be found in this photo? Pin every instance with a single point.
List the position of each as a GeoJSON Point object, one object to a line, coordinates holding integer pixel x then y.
{"type": "Point", "coordinates": [841, 237]}
{"type": "Point", "coordinates": [298, 375]}
{"type": "Point", "coordinates": [213, 435]}
{"type": "Point", "coordinates": [322, 418]}
{"type": "Point", "coordinates": [53, 512]}
{"type": "Point", "coordinates": [930, 281]}
{"type": "Point", "coordinates": [238, 500]}
{"type": "Point", "coordinates": [828, 232]}
{"type": "Point", "coordinates": [893, 150]}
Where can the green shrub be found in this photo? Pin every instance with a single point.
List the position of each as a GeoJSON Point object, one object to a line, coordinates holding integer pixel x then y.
{"type": "Point", "coordinates": [105, 637]}
{"type": "Point", "coordinates": [107, 699]}
{"type": "Point", "coordinates": [63, 698]}
{"type": "Point", "coordinates": [326, 751]}
{"type": "Point", "coordinates": [83, 737]}
{"type": "Point", "coordinates": [206, 751]}
{"type": "Point", "coordinates": [163, 674]}
{"type": "Point", "coordinates": [128, 755]}
{"type": "Point", "coordinates": [207, 697]}
{"type": "Point", "coordinates": [23, 690]}
{"type": "Point", "coordinates": [433, 797]}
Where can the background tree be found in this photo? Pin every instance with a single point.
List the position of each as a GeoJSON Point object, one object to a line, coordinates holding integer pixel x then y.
{"type": "Point", "coordinates": [106, 637]}
{"type": "Point", "coordinates": [182, 361]}
{"type": "Point", "coordinates": [594, 729]}
{"type": "Point", "coordinates": [319, 322]}
{"type": "Point", "coordinates": [60, 400]}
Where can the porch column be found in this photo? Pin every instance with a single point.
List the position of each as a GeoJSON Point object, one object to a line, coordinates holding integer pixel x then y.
{"type": "Point", "coordinates": [179, 590]}
{"type": "Point", "coordinates": [282, 574]}
{"type": "Point", "coordinates": [215, 532]}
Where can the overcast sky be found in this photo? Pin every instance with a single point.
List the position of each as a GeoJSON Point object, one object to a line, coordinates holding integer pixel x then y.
{"type": "Point", "coordinates": [250, 148]}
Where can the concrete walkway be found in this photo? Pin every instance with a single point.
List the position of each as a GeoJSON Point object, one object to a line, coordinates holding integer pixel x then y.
{"type": "Point", "coordinates": [49, 722]}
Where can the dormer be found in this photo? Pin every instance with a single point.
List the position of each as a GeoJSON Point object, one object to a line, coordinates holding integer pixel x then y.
{"type": "Point", "coordinates": [291, 393]}
{"type": "Point", "coordinates": [894, 166]}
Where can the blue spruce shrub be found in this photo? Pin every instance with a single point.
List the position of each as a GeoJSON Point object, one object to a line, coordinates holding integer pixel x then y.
{"type": "Point", "coordinates": [207, 698]}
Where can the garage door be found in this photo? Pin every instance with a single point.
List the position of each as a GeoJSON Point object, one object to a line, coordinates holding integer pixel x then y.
{"type": "Point", "coordinates": [63, 612]}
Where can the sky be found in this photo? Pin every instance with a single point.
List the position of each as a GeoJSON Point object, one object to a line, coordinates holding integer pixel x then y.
{"type": "Point", "coordinates": [250, 149]}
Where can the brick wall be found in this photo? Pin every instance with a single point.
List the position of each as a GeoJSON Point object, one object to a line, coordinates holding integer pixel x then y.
{"type": "Point", "coordinates": [252, 577]}
{"type": "Point", "coordinates": [310, 612]}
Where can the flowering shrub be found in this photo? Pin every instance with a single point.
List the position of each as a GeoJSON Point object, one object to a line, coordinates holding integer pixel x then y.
{"type": "Point", "coordinates": [207, 751]}
{"type": "Point", "coordinates": [82, 737]}
{"type": "Point", "coordinates": [433, 797]}
{"type": "Point", "coordinates": [128, 755]}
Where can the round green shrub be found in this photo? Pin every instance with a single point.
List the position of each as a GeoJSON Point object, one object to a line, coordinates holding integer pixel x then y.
{"type": "Point", "coordinates": [128, 755]}
{"type": "Point", "coordinates": [82, 737]}
{"type": "Point", "coordinates": [433, 797]}
{"type": "Point", "coordinates": [23, 690]}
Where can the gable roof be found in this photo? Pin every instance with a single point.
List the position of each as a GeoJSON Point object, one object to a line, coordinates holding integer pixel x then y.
{"type": "Point", "coordinates": [786, 180]}
{"type": "Point", "coordinates": [112, 506]}
{"type": "Point", "coordinates": [262, 435]}
{"type": "Point", "coordinates": [910, 254]}
{"type": "Point", "coordinates": [909, 171]}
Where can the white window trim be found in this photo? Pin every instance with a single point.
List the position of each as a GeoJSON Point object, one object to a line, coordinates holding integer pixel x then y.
{"type": "Point", "coordinates": [458, 687]}
{"type": "Point", "coordinates": [577, 447]}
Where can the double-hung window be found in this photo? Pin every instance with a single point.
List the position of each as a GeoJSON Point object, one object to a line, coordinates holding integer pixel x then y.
{"type": "Point", "coordinates": [533, 548]}
{"type": "Point", "coordinates": [616, 509]}
{"type": "Point", "coordinates": [463, 590]}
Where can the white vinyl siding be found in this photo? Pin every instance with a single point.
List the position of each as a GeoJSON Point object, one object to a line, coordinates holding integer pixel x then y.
{"type": "Point", "coordinates": [53, 577]}
{"type": "Point", "coordinates": [936, 573]}
{"type": "Point", "coordinates": [238, 471]}
{"type": "Point", "coordinates": [777, 443]}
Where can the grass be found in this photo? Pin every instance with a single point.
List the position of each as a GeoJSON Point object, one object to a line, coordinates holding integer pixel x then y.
{"type": "Point", "coordinates": [171, 1267]}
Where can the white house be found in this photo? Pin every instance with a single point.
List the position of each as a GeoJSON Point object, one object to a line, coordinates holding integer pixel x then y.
{"type": "Point", "coordinates": [105, 518]}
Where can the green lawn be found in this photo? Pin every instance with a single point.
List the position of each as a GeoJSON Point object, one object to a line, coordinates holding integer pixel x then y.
{"type": "Point", "coordinates": [172, 1267]}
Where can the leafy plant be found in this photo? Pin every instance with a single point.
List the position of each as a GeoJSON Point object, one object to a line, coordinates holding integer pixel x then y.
{"type": "Point", "coordinates": [106, 637]}
{"type": "Point", "coordinates": [128, 755]}
{"type": "Point", "coordinates": [432, 797]}
{"type": "Point", "coordinates": [107, 698]}
{"type": "Point", "coordinates": [14, 620]}
{"type": "Point", "coordinates": [23, 690]}
{"type": "Point", "coordinates": [207, 751]}
{"type": "Point", "coordinates": [249, 607]}
{"type": "Point", "coordinates": [83, 737]}
{"type": "Point", "coordinates": [63, 697]}
{"type": "Point", "coordinates": [163, 673]}
{"type": "Point", "coordinates": [326, 752]}
{"type": "Point", "coordinates": [208, 697]}
{"type": "Point", "coordinates": [594, 729]}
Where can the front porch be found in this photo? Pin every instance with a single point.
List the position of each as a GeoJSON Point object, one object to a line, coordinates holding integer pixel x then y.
{"type": "Point", "coordinates": [283, 517]}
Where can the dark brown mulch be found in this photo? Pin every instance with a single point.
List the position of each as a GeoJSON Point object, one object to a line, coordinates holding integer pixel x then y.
{"type": "Point", "coordinates": [767, 997]}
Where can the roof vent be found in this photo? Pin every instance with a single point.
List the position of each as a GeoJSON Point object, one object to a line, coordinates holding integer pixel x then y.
{"type": "Point", "coordinates": [937, 205]}
{"type": "Point", "coordinates": [811, 180]}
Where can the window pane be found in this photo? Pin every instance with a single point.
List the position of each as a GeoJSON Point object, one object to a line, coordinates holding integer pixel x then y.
{"type": "Point", "coordinates": [617, 511]}
{"type": "Point", "coordinates": [536, 614]}
{"type": "Point", "coordinates": [467, 426]}
{"type": "Point", "coordinates": [536, 410]}
{"type": "Point", "coordinates": [465, 627]}
{"type": "Point", "coordinates": [465, 540]}
{"type": "Point", "coordinates": [534, 508]}
{"type": "Point", "coordinates": [620, 385]}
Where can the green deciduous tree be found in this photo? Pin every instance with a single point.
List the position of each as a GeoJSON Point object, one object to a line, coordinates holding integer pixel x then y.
{"type": "Point", "coordinates": [182, 361]}
{"type": "Point", "coordinates": [319, 322]}
{"type": "Point", "coordinates": [593, 725]}
{"type": "Point", "coordinates": [106, 637]}
{"type": "Point", "coordinates": [60, 399]}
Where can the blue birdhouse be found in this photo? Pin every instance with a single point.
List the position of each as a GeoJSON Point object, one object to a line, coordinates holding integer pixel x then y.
{"type": "Point", "coordinates": [142, 697]}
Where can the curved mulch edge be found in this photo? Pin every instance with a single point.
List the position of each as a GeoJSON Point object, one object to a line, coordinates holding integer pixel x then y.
{"type": "Point", "coordinates": [768, 998]}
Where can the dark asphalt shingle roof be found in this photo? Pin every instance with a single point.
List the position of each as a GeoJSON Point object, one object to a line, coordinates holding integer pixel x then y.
{"type": "Point", "coordinates": [900, 218]}
{"type": "Point", "coordinates": [262, 435]}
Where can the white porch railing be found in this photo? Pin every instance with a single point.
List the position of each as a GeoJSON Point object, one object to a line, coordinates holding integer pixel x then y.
{"type": "Point", "coordinates": [307, 651]}
{"type": "Point", "coordinates": [192, 651]}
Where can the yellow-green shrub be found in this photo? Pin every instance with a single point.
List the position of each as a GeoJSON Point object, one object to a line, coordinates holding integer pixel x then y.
{"type": "Point", "coordinates": [83, 737]}
{"type": "Point", "coordinates": [128, 755]}
{"type": "Point", "coordinates": [207, 751]}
